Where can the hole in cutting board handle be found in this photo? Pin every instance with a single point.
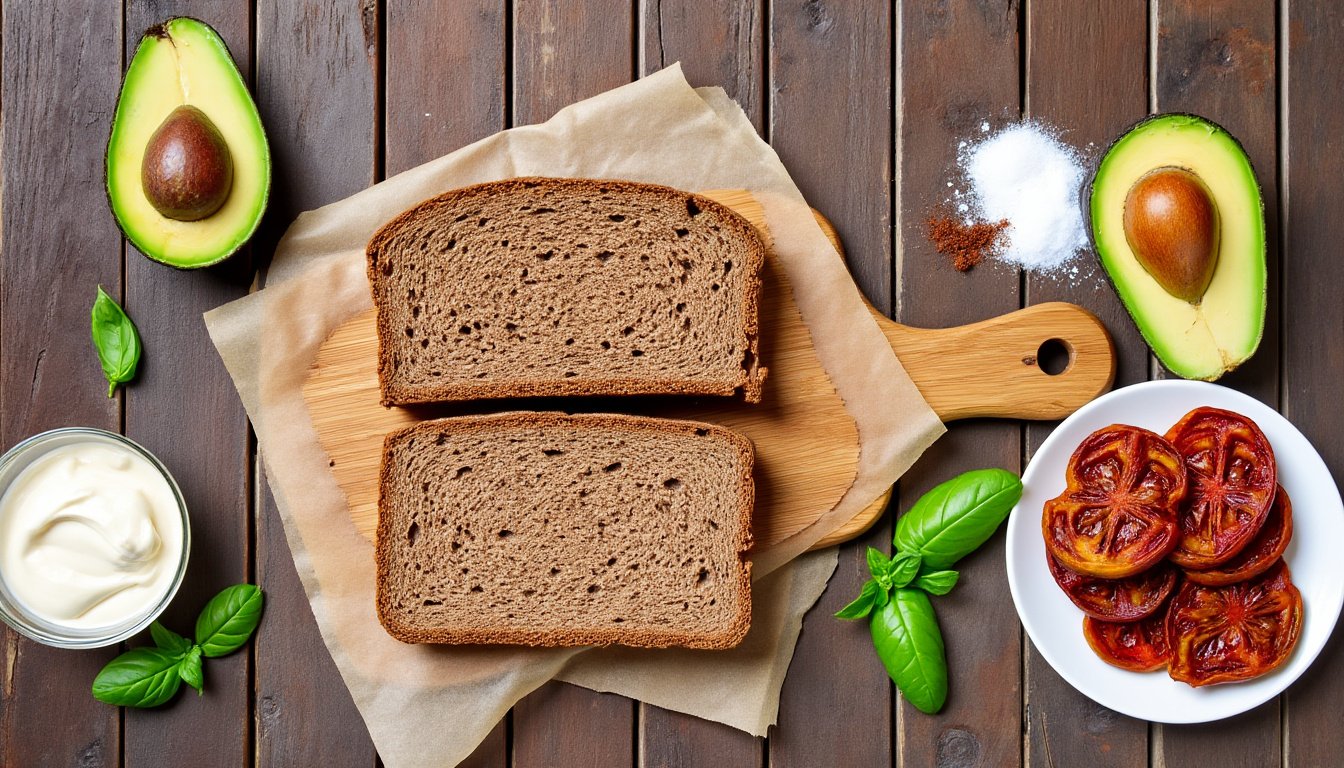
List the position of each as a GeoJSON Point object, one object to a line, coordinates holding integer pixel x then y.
{"type": "Point", "coordinates": [1054, 356]}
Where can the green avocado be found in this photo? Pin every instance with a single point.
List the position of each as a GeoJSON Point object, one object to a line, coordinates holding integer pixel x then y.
{"type": "Point", "coordinates": [212, 145]}
{"type": "Point", "coordinates": [1205, 333]}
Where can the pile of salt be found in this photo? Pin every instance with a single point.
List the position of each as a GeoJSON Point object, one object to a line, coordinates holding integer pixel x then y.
{"type": "Point", "coordinates": [1027, 176]}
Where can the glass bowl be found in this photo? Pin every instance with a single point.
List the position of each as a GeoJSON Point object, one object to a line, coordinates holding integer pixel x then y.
{"type": "Point", "coordinates": [44, 631]}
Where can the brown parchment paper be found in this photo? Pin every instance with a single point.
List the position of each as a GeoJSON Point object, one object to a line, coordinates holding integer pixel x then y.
{"type": "Point", "coordinates": [427, 705]}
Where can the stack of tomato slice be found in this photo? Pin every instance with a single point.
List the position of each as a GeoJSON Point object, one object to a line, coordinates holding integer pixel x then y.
{"type": "Point", "coordinates": [1172, 546]}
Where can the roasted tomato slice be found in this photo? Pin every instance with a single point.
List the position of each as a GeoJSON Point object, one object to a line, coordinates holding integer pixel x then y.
{"type": "Point", "coordinates": [1236, 632]}
{"type": "Point", "coordinates": [1128, 599]}
{"type": "Point", "coordinates": [1232, 480]}
{"type": "Point", "coordinates": [1266, 548]}
{"type": "Point", "coordinates": [1117, 517]}
{"type": "Point", "coordinates": [1139, 646]}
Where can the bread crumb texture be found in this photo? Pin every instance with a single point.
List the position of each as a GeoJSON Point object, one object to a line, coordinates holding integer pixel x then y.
{"type": "Point", "coordinates": [539, 287]}
{"type": "Point", "coordinates": [557, 530]}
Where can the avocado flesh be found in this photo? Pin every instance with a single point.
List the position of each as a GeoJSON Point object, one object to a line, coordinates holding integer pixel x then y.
{"type": "Point", "coordinates": [183, 61]}
{"type": "Point", "coordinates": [1206, 339]}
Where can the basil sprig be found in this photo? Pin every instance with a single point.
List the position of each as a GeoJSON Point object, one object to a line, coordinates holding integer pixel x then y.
{"type": "Point", "coordinates": [148, 677]}
{"type": "Point", "coordinates": [944, 525]}
{"type": "Point", "coordinates": [115, 339]}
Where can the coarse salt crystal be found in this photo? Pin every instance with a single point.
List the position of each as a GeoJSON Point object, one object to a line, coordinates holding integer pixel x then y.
{"type": "Point", "coordinates": [1030, 178]}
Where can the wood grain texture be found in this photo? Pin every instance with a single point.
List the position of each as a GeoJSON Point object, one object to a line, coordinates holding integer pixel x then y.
{"type": "Point", "coordinates": [807, 448]}
{"type": "Point", "coordinates": [1087, 72]}
{"type": "Point", "coordinates": [567, 50]}
{"type": "Point", "coordinates": [719, 43]}
{"type": "Point", "coordinates": [1217, 60]}
{"type": "Point", "coordinates": [564, 51]}
{"type": "Point", "coordinates": [316, 76]}
{"type": "Point", "coordinates": [1313, 319]}
{"type": "Point", "coordinates": [960, 67]}
{"type": "Point", "coordinates": [61, 69]}
{"type": "Point", "coordinates": [723, 44]}
{"type": "Point", "coordinates": [445, 78]}
{"type": "Point", "coordinates": [836, 142]}
{"type": "Point", "coordinates": [182, 392]}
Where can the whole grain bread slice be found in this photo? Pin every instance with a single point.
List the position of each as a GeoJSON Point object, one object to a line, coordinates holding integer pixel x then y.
{"type": "Point", "coordinates": [541, 287]}
{"type": "Point", "coordinates": [558, 530]}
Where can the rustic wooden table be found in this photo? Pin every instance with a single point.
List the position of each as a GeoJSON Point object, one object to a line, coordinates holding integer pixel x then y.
{"type": "Point", "coordinates": [865, 104]}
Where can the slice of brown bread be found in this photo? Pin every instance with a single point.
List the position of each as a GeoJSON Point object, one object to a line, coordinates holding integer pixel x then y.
{"type": "Point", "coordinates": [549, 529]}
{"type": "Point", "coordinates": [539, 287]}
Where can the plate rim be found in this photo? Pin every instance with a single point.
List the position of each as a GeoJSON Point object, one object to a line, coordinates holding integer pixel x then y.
{"type": "Point", "coordinates": [1198, 714]}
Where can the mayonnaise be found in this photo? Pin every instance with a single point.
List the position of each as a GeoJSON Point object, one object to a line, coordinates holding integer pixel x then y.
{"type": "Point", "coordinates": [90, 535]}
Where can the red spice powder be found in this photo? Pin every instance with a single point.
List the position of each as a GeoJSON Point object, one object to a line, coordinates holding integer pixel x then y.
{"type": "Point", "coordinates": [966, 244]}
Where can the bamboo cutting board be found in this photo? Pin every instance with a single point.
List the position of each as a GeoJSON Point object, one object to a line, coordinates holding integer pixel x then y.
{"type": "Point", "coordinates": [806, 443]}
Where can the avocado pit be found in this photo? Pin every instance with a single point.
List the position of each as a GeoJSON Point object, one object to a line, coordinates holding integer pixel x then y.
{"type": "Point", "coordinates": [1171, 224]}
{"type": "Point", "coordinates": [187, 170]}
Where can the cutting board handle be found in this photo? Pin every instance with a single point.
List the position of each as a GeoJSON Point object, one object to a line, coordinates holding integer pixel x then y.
{"type": "Point", "coordinates": [993, 368]}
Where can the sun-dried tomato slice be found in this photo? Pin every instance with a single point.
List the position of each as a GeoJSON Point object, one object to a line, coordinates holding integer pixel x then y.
{"type": "Point", "coordinates": [1256, 558]}
{"type": "Point", "coordinates": [1128, 599]}
{"type": "Point", "coordinates": [1117, 517]}
{"type": "Point", "coordinates": [1236, 632]}
{"type": "Point", "coordinates": [1139, 646]}
{"type": "Point", "coordinates": [1232, 480]}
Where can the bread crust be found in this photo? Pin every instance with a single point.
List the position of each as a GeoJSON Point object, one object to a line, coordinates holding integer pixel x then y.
{"type": "Point", "coordinates": [753, 374]}
{"type": "Point", "coordinates": [729, 637]}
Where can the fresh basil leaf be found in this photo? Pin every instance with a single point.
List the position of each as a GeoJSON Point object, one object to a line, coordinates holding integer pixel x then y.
{"type": "Point", "coordinates": [192, 671]}
{"type": "Point", "coordinates": [956, 517]}
{"type": "Point", "coordinates": [863, 604]}
{"type": "Point", "coordinates": [141, 677]}
{"type": "Point", "coordinates": [904, 568]}
{"type": "Point", "coordinates": [228, 620]}
{"type": "Point", "coordinates": [169, 640]}
{"type": "Point", "coordinates": [882, 597]}
{"type": "Point", "coordinates": [907, 639]}
{"type": "Point", "coordinates": [115, 339]}
{"type": "Point", "coordinates": [937, 582]}
{"type": "Point", "coordinates": [878, 562]}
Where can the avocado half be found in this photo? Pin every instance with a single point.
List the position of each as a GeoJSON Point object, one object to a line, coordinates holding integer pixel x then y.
{"type": "Point", "coordinates": [1206, 339]}
{"type": "Point", "coordinates": [184, 61]}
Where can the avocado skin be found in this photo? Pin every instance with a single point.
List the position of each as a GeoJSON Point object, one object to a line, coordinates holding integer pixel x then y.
{"type": "Point", "coordinates": [1088, 192]}
{"type": "Point", "coordinates": [161, 31]}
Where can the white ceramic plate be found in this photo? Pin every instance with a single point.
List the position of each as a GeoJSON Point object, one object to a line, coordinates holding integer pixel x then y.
{"type": "Point", "coordinates": [1056, 625]}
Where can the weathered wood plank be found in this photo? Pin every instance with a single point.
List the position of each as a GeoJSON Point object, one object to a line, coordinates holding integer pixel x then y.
{"type": "Point", "coordinates": [836, 703]}
{"type": "Point", "coordinates": [960, 67]}
{"type": "Point", "coordinates": [445, 78]}
{"type": "Point", "coordinates": [563, 724]}
{"type": "Point", "coordinates": [1087, 73]}
{"type": "Point", "coordinates": [445, 81]}
{"type": "Point", "coordinates": [1313, 316]}
{"type": "Point", "coordinates": [1218, 60]}
{"type": "Point", "coordinates": [719, 44]}
{"type": "Point", "coordinates": [61, 72]}
{"type": "Point", "coordinates": [316, 75]}
{"type": "Point", "coordinates": [184, 392]}
{"type": "Point", "coordinates": [564, 52]}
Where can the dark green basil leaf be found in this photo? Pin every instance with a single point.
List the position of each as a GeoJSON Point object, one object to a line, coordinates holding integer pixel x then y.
{"type": "Point", "coordinates": [937, 582]}
{"type": "Point", "coordinates": [910, 645]}
{"type": "Point", "coordinates": [115, 339]}
{"type": "Point", "coordinates": [142, 677]}
{"type": "Point", "coordinates": [228, 620]}
{"type": "Point", "coordinates": [904, 567]}
{"type": "Point", "coordinates": [863, 604]}
{"type": "Point", "coordinates": [169, 640]}
{"type": "Point", "coordinates": [192, 671]}
{"type": "Point", "coordinates": [952, 520]}
{"type": "Point", "coordinates": [882, 597]}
